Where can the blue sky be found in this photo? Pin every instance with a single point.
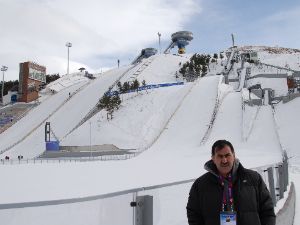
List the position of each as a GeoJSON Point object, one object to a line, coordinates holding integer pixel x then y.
{"type": "Point", "coordinates": [253, 23]}
{"type": "Point", "coordinates": [103, 31]}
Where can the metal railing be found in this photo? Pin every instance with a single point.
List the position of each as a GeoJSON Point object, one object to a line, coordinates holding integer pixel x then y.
{"type": "Point", "coordinates": [156, 204]}
{"type": "Point", "coordinates": [68, 159]}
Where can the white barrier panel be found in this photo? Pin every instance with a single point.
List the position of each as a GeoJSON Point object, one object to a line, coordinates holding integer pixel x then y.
{"type": "Point", "coordinates": [285, 215]}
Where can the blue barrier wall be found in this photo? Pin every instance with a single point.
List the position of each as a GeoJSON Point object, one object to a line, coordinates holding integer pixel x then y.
{"type": "Point", "coordinates": [52, 146]}
{"type": "Point", "coordinates": [146, 87]}
{"type": "Point", "coordinates": [13, 98]}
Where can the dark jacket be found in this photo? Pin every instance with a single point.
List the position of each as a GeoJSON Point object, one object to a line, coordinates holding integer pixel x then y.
{"type": "Point", "coordinates": [252, 200]}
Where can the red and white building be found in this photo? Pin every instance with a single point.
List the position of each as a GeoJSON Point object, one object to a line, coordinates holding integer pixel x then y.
{"type": "Point", "coordinates": [31, 77]}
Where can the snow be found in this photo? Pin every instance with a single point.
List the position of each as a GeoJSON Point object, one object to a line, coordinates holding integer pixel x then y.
{"type": "Point", "coordinates": [56, 110]}
{"type": "Point", "coordinates": [288, 123]}
{"type": "Point", "coordinates": [286, 60]}
{"type": "Point", "coordinates": [66, 81]}
{"type": "Point", "coordinates": [166, 125]}
{"type": "Point", "coordinates": [295, 177]}
{"type": "Point", "coordinates": [277, 84]}
{"type": "Point", "coordinates": [134, 131]}
{"type": "Point", "coordinates": [35, 118]}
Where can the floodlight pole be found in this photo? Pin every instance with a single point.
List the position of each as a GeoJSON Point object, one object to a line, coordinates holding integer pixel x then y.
{"type": "Point", "coordinates": [68, 45]}
{"type": "Point", "coordinates": [90, 139]}
{"type": "Point", "coordinates": [159, 34]}
{"type": "Point", "coordinates": [3, 69]}
{"type": "Point", "coordinates": [232, 37]}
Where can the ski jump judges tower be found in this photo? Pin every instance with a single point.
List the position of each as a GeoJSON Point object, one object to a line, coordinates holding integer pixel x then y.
{"type": "Point", "coordinates": [180, 39]}
{"type": "Point", "coordinates": [145, 53]}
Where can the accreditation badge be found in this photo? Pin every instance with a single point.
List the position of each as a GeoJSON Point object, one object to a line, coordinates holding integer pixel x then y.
{"type": "Point", "coordinates": [227, 218]}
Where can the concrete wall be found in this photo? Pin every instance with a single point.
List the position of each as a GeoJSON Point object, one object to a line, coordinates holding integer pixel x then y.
{"type": "Point", "coordinates": [285, 216]}
{"type": "Point", "coordinates": [290, 97]}
{"type": "Point", "coordinates": [253, 102]}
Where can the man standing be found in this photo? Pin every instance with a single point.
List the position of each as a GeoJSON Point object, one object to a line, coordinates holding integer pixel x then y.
{"type": "Point", "coordinates": [229, 194]}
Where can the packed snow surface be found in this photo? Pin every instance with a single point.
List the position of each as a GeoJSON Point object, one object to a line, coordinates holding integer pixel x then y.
{"type": "Point", "coordinates": [173, 128]}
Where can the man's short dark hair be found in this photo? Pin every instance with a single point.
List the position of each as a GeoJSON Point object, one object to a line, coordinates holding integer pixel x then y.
{"type": "Point", "coordinates": [218, 145]}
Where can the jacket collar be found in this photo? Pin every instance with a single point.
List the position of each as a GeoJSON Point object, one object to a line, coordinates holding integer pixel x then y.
{"type": "Point", "coordinates": [211, 168]}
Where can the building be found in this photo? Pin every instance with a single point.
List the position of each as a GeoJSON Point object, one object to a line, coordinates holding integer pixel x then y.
{"type": "Point", "coordinates": [250, 56]}
{"type": "Point", "coordinates": [31, 77]}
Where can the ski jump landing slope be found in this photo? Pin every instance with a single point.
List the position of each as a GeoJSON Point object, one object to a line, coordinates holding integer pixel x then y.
{"type": "Point", "coordinates": [65, 113]}
{"type": "Point", "coordinates": [288, 124]}
{"type": "Point", "coordinates": [63, 119]}
{"type": "Point", "coordinates": [63, 181]}
{"type": "Point", "coordinates": [262, 141]}
{"type": "Point", "coordinates": [35, 118]}
{"type": "Point", "coordinates": [190, 122]}
{"type": "Point", "coordinates": [142, 116]}
{"type": "Point", "coordinates": [176, 154]}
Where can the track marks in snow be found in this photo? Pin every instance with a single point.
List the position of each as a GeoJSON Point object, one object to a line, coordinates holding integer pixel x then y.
{"type": "Point", "coordinates": [250, 114]}
{"type": "Point", "coordinates": [190, 118]}
{"type": "Point", "coordinates": [218, 102]}
{"type": "Point", "coordinates": [228, 123]}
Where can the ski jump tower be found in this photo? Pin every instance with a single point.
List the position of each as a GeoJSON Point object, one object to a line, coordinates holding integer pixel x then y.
{"type": "Point", "coordinates": [180, 39]}
{"type": "Point", "coordinates": [145, 53]}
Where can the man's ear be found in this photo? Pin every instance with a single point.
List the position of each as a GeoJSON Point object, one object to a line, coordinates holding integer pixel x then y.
{"type": "Point", "coordinates": [212, 158]}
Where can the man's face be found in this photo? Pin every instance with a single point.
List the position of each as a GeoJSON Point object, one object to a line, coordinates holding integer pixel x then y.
{"type": "Point", "coordinates": [224, 160]}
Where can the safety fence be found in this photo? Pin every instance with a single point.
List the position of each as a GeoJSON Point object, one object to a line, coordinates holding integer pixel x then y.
{"type": "Point", "coordinates": [68, 159]}
{"type": "Point", "coordinates": [158, 204]}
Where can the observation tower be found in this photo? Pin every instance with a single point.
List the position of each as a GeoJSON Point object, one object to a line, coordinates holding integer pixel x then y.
{"type": "Point", "coordinates": [180, 39]}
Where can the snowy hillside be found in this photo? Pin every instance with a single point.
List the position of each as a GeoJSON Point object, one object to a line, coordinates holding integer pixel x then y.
{"type": "Point", "coordinates": [171, 127]}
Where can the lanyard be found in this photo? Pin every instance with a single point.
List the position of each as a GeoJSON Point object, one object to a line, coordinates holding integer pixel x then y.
{"type": "Point", "coordinates": [227, 193]}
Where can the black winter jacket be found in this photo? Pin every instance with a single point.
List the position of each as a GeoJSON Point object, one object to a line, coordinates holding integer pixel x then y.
{"type": "Point", "coordinates": [252, 200]}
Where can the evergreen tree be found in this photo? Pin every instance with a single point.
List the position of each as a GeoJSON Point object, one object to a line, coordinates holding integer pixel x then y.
{"type": "Point", "coordinates": [182, 70]}
{"type": "Point", "coordinates": [204, 71]}
{"type": "Point", "coordinates": [208, 59]}
{"type": "Point", "coordinates": [110, 104]}
{"type": "Point", "coordinates": [52, 77]}
{"type": "Point", "coordinates": [120, 88]}
{"type": "Point", "coordinates": [104, 101]}
{"type": "Point", "coordinates": [126, 87]}
{"type": "Point", "coordinates": [135, 85]}
{"type": "Point", "coordinates": [116, 101]}
{"type": "Point", "coordinates": [194, 68]}
{"type": "Point", "coordinates": [8, 85]}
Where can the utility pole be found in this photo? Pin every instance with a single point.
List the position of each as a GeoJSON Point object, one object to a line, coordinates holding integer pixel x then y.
{"type": "Point", "coordinates": [159, 34]}
{"type": "Point", "coordinates": [90, 139]}
{"type": "Point", "coordinates": [3, 69]}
